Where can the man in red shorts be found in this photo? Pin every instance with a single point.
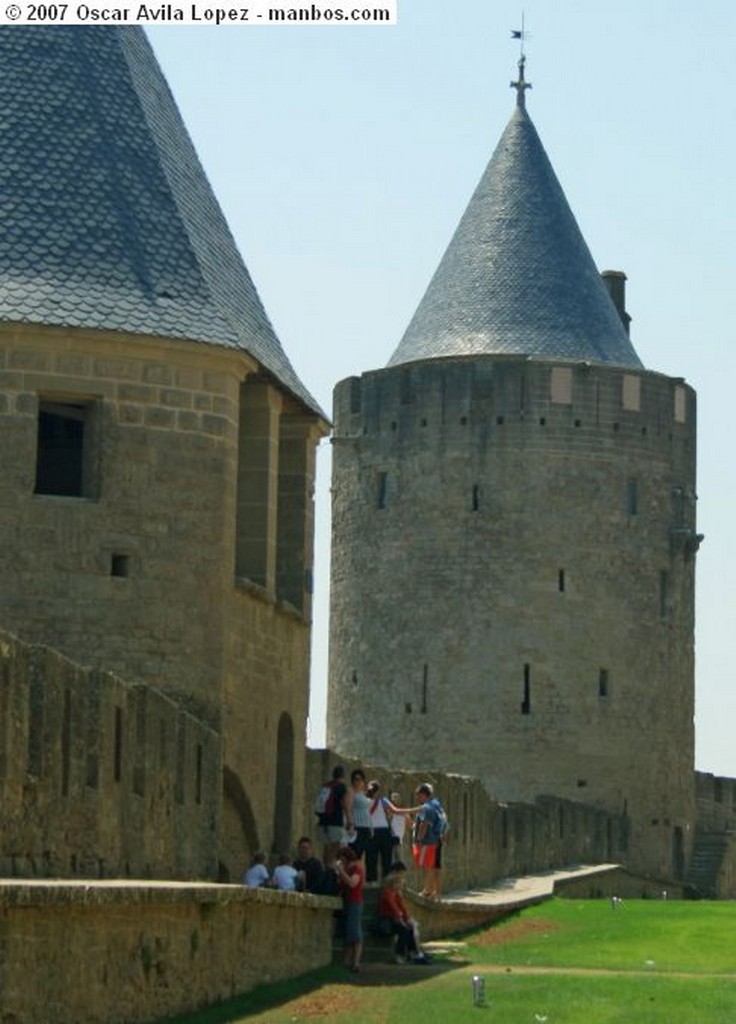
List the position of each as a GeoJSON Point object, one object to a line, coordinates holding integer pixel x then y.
{"type": "Point", "coordinates": [426, 848]}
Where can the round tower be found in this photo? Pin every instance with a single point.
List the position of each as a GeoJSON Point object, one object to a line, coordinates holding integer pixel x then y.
{"type": "Point", "coordinates": [514, 529]}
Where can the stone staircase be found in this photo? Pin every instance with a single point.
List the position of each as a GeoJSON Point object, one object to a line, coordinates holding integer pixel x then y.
{"type": "Point", "coordinates": [375, 947]}
{"type": "Point", "coordinates": [709, 850]}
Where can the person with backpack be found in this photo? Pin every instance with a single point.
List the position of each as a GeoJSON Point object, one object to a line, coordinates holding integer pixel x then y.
{"type": "Point", "coordinates": [429, 832]}
{"type": "Point", "coordinates": [333, 809]}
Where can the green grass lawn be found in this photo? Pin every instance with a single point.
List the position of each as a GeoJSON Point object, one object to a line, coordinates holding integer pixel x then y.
{"type": "Point", "coordinates": [565, 962]}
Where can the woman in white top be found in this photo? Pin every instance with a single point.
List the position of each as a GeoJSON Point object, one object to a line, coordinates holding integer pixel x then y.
{"type": "Point", "coordinates": [379, 845]}
{"type": "Point", "coordinates": [360, 814]}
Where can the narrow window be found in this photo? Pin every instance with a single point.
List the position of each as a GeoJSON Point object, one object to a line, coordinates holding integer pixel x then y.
{"type": "Point", "coordinates": [382, 490]}
{"type": "Point", "coordinates": [425, 687]}
{"type": "Point", "coordinates": [117, 749]}
{"type": "Point", "coordinates": [603, 683]}
{"type": "Point", "coordinates": [632, 497]}
{"type": "Point", "coordinates": [119, 565]}
{"type": "Point", "coordinates": [62, 463]}
{"type": "Point", "coordinates": [561, 580]}
{"type": "Point", "coordinates": [407, 708]}
{"type": "Point", "coordinates": [475, 504]}
{"type": "Point", "coordinates": [526, 703]}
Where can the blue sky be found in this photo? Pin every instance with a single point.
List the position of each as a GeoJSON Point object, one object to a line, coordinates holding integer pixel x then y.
{"type": "Point", "coordinates": [343, 158]}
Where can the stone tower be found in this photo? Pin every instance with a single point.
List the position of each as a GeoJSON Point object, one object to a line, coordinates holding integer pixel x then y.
{"type": "Point", "coordinates": [514, 528]}
{"type": "Point", "coordinates": [157, 447]}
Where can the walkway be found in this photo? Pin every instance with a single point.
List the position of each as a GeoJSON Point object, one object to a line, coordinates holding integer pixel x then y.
{"type": "Point", "coordinates": [464, 910]}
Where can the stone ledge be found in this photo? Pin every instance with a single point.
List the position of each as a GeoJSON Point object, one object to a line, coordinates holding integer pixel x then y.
{"type": "Point", "coordinates": [44, 892]}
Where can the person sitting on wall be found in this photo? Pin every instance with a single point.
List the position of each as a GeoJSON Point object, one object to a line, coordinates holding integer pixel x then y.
{"type": "Point", "coordinates": [309, 866]}
{"type": "Point", "coordinates": [394, 917]}
{"type": "Point", "coordinates": [285, 876]}
{"type": "Point", "coordinates": [257, 874]}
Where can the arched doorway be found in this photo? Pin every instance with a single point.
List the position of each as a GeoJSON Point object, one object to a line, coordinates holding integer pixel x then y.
{"type": "Point", "coordinates": [283, 799]}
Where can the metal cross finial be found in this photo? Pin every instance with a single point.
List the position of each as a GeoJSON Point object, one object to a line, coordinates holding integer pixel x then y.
{"type": "Point", "coordinates": [521, 86]}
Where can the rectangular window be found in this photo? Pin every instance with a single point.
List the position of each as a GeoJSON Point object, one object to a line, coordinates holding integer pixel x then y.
{"type": "Point", "coordinates": [631, 392]}
{"type": "Point", "coordinates": [63, 464]}
{"type": "Point", "coordinates": [603, 683]}
{"type": "Point", "coordinates": [382, 496]}
{"type": "Point", "coordinates": [632, 497]}
{"type": "Point", "coordinates": [526, 703]}
{"type": "Point", "coordinates": [561, 580]}
{"type": "Point", "coordinates": [561, 385]}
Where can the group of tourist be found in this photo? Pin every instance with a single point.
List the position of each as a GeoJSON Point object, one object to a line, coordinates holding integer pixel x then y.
{"type": "Point", "coordinates": [363, 829]}
{"type": "Point", "coordinates": [304, 874]}
{"type": "Point", "coordinates": [362, 832]}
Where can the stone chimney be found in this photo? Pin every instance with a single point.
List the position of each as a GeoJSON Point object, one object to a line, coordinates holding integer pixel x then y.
{"type": "Point", "coordinates": [615, 282]}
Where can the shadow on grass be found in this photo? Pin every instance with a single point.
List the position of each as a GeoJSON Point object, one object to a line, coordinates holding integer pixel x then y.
{"type": "Point", "coordinates": [271, 997]}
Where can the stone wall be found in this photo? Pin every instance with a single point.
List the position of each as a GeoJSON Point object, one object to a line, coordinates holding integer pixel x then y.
{"type": "Point", "coordinates": [489, 840]}
{"type": "Point", "coordinates": [513, 580]}
{"type": "Point", "coordinates": [179, 557]}
{"type": "Point", "coordinates": [122, 953]}
{"type": "Point", "coordinates": [715, 798]}
{"type": "Point", "coordinates": [99, 779]}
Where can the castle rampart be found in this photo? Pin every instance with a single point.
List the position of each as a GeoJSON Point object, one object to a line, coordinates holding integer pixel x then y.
{"type": "Point", "coordinates": [99, 779]}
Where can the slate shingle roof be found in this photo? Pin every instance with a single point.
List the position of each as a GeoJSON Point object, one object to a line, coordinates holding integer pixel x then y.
{"type": "Point", "coordinates": [517, 276]}
{"type": "Point", "coordinates": [107, 219]}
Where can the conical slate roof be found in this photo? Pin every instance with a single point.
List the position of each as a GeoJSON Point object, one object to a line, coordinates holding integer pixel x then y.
{"type": "Point", "coordinates": [517, 277]}
{"type": "Point", "coordinates": [106, 217]}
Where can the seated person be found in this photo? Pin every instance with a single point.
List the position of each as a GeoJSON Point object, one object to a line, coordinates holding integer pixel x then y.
{"type": "Point", "coordinates": [393, 915]}
{"type": "Point", "coordinates": [257, 874]}
{"type": "Point", "coordinates": [285, 876]}
{"type": "Point", "coordinates": [309, 866]}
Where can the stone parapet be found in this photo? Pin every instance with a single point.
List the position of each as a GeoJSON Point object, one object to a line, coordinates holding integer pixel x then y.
{"type": "Point", "coordinates": [115, 953]}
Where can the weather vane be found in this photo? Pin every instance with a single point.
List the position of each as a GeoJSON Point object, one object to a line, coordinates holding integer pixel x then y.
{"type": "Point", "coordinates": [520, 85]}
